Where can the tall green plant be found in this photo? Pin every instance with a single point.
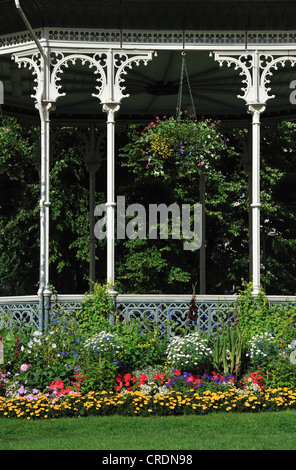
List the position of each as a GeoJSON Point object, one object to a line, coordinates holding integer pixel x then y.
{"type": "Point", "coordinates": [96, 308]}
{"type": "Point", "coordinates": [227, 346]}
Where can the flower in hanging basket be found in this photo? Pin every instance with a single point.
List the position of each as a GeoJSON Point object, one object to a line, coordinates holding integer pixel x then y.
{"type": "Point", "coordinates": [176, 146]}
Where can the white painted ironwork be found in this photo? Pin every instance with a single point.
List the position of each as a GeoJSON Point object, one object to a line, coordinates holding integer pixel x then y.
{"type": "Point", "coordinates": [158, 39]}
{"type": "Point", "coordinates": [168, 312]}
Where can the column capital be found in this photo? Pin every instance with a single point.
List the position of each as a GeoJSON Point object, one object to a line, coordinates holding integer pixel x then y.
{"type": "Point", "coordinates": [256, 109]}
{"type": "Point", "coordinates": [111, 108]}
{"type": "Point", "coordinates": [45, 107]}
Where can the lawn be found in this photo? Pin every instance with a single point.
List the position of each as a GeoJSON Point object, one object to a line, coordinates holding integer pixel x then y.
{"type": "Point", "coordinates": [215, 431]}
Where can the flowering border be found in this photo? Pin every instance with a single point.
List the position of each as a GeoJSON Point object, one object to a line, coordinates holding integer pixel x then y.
{"type": "Point", "coordinates": [136, 403]}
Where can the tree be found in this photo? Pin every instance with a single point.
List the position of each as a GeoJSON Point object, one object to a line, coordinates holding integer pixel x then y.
{"type": "Point", "coordinates": [173, 154]}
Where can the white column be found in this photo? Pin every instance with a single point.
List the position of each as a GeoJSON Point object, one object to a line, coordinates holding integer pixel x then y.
{"type": "Point", "coordinates": [45, 105]}
{"type": "Point", "coordinates": [44, 292]}
{"type": "Point", "coordinates": [256, 110]}
{"type": "Point", "coordinates": [110, 109]}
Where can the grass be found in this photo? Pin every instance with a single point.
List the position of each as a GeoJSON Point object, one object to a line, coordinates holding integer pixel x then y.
{"type": "Point", "coordinates": [216, 431]}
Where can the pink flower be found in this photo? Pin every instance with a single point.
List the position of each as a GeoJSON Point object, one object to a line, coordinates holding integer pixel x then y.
{"type": "Point", "coordinates": [24, 367]}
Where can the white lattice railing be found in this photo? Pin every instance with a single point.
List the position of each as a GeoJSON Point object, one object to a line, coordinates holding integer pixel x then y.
{"type": "Point", "coordinates": [168, 311]}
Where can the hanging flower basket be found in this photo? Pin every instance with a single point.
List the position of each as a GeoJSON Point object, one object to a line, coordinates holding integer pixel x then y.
{"type": "Point", "coordinates": [183, 145]}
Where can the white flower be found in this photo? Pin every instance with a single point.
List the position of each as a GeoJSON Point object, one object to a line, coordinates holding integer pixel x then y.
{"type": "Point", "coordinates": [37, 333]}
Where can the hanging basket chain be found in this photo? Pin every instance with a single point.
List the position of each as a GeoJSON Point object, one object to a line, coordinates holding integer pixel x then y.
{"type": "Point", "coordinates": [180, 92]}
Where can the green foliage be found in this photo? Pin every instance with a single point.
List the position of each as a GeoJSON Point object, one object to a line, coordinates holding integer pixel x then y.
{"type": "Point", "coordinates": [174, 178]}
{"type": "Point", "coordinates": [142, 346]}
{"type": "Point", "coordinates": [141, 265]}
{"type": "Point", "coordinates": [97, 376]}
{"type": "Point", "coordinates": [96, 309]}
{"type": "Point", "coordinates": [280, 373]}
{"type": "Point", "coordinates": [263, 349]}
{"type": "Point", "coordinates": [256, 315]}
{"type": "Point", "coordinates": [19, 224]}
{"type": "Point", "coordinates": [163, 168]}
{"type": "Point", "coordinates": [227, 347]}
{"type": "Point", "coordinates": [15, 145]}
{"type": "Point", "coordinates": [49, 356]}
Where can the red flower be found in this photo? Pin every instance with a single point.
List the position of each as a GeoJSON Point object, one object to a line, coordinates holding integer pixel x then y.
{"type": "Point", "coordinates": [127, 379]}
{"type": "Point", "coordinates": [177, 372]}
{"type": "Point", "coordinates": [142, 378]}
{"type": "Point", "coordinates": [257, 379]}
{"type": "Point", "coordinates": [160, 377]}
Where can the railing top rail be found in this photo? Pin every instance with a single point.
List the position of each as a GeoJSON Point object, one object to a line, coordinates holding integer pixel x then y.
{"type": "Point", "coordinates": [19, 298]}
{"type": "Point", "coordinates": [147, 298]}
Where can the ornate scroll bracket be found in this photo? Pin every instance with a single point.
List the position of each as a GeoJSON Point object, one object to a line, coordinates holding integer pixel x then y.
{"type": "Point", "coordinates": [109, 67]}
{"type": "Point", "coordinates": [257, 68]}
{"type": "Point", "coordinates": [34, 62]}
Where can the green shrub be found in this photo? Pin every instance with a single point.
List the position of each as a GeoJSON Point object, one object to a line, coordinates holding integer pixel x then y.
{"type": "Point", "coordinates": [262, 349]}
{"type": "Point", "coordinates": [142, 345]}
{"type": "Point", "coordinates": [280, 373]}
{"type": "Point", "coordinates": [97, 376]}
{"type": "Point", "coordinates": [95, 313]}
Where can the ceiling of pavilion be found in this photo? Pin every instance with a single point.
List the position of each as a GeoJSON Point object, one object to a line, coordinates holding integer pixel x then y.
{"type": "Point", "coordinates": [154, 14]}
{"type": "Point", "coordinates": [153, 88]}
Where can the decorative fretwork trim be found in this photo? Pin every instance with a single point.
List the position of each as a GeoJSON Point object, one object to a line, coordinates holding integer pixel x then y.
{"type": "Point", "coordinates": [57, 37]}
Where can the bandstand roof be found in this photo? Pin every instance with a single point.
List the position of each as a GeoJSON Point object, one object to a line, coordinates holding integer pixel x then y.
{"type": "Point", "coordinates": [168, 27]}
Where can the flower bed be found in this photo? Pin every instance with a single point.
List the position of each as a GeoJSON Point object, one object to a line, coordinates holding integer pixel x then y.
{"type": "Point", "coordinates": [84, 366]}
{"type": "Point", "coordinates": [136, 403]}
{"type": "Point", "coordinates": [136, 396]}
